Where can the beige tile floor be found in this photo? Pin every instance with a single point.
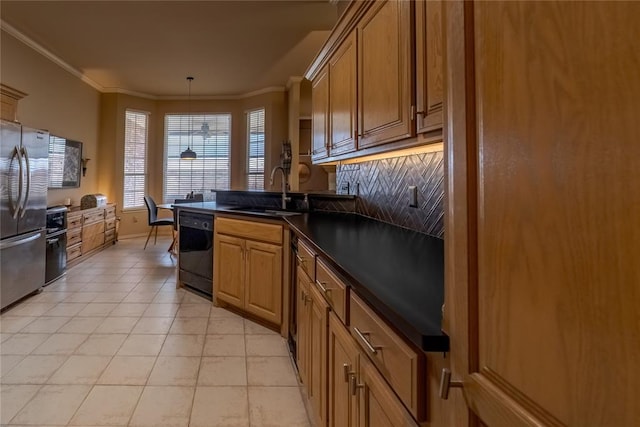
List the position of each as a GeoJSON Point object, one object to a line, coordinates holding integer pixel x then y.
{"type": "Point", "coordinates": [113, 343]}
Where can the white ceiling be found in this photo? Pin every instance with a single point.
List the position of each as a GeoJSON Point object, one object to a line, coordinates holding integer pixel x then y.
{"type": "Point", "coordinates": [150, 47]}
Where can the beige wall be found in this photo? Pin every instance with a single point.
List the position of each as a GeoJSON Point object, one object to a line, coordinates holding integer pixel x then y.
{"type": "Point", "coordinates": [57, 101]}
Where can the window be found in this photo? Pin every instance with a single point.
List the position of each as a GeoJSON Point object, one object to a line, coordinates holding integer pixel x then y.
{"type": "Point", "coordinates": [135, 159]}
{"type": "Point", "coordinates": [255, 150]}
{"type": "Point", "coordinates": [209, 135]}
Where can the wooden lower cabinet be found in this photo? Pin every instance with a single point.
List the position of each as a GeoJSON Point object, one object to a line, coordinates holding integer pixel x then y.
{"type": "Point", "coordinates": [313, 323]}
{"type": "Point", "coordinates": [378, 406]}
{"type": "Point", "coordinates": [89, 230]}
{"type": "Point", "coordinates": [248, 275]}
{"type": "Point", "coordinates": [343, 355]}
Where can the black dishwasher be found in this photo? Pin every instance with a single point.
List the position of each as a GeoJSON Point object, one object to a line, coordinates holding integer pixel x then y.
{"type": "Point", "coordinates": [196, 250]}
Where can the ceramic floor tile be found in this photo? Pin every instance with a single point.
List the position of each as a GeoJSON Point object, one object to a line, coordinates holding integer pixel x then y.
{"type": "Point", "coordinates": [34, 370]}
{"type": "Point", "coordinates": [45, 325]}
{"type": "Point", "coordinates": [190, 298]}
{"type": "Point", "coordinates": [128, 370]}
{"type": "Point", "coordinates": [162, 406]}
{"type": "Point", "coordinates": [220, 407]}
{"type": "Point", "coordinates": [52, 404]}
{"type": "Point", "coordinates": [108, 406]}
{"type": "Point", "coordinates": [225, 325]}
{"type": "Point", "coordinates": [175, 370]}
{"type": "Point", "coordinates": [81, 325]}
{"type": "Point", "coordinates": [253, 328]}
{"type": "Point", "coordinates": [101, 345]}
{"type": "Point", "coordinates": [141, 345]}
{"type": "Point", "coordinates": [165, 298]}
{"type": "Point", "coordinates": [189, 325]}
{"type": "Point", "coordinates": [161, 310]}
{"type": "Point", "coordinates": [223, 371]}
{"type": "Point", "coordinates": [270, 371]}
{"type": "Point", "coordinates": [98, 309]}
{"type": "Point", "coordinates": [193, 310]}
{"type": "Point", "coordinates": [67, 309]}
{"type": "Point", "coordinates": [224, 345]}
{"type": "Point", "coordinates": [183, 345]}
{"type": "Point", "coordinates": [30, 308]}
{"type": "Point", "coordinates": [82, 297]}
{"type": "Point", "coordinates": [129, 309]}
{"type": "Point", "coordinates": [266, 345]}
{"type": "Point", "coordinates": [8, 362]}
{"type": "Point", "coordinates": [80, 370]}
{"type": "Point", "coordinates": [117, 325]}
{"type": "Point", "coordinates": [54, 297]}
{"type": "Point", "coordinates": [12, 324]}
{"type": "Point", "coordinates": [142, 297]}
{"type": "Point", "coordinates": [60, 344]}
{"type": "Point", "coordinates": [153, 325]}
{"type": "Point", "coordinates": [277, 407]}
{"type": "Point", "coordinates": [111, 297]}
{"type": "Point", "coordinates": [13, 398]}
{"type": "Point", "coordinates": [221, 312]}
{"type": "Point", "coordinates": [22, 343]}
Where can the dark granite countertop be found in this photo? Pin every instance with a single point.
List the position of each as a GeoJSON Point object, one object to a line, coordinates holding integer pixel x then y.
{"type": "Point", "coordinates": [399, 272]}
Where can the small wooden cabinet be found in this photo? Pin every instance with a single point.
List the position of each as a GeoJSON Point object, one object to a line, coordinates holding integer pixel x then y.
{"type": "Point", "coordinates": [429, 67]}
{"type": "Point", "coordinates": [248, 268]}
{"type": "Point", "coordinates": [385, 73]}
{"type": "Point", "coordinates": [88, 230]}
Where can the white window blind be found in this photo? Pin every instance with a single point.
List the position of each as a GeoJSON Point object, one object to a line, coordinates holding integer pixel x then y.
{"type": "Point", "coordinates": [255, 149]}
{"type": "Point", "coordinates": [135, 159]}
{"type": "Point", "coordinates": [209, 135]}
{"type": "Point", "coordinates": [57, 148]}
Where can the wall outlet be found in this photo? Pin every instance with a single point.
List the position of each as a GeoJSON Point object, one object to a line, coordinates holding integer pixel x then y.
{"type": "Point", "coordinates": [413, 196]}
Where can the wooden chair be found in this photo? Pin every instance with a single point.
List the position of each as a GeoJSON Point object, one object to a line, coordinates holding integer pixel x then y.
{"type": "Point", "coordinates": [154, 221]}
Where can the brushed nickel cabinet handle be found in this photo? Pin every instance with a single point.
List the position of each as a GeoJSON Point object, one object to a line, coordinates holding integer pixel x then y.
{"type": "Point", "coordinates": [323, 287]}
{"type": "Point", "coordinates": [346, 369]}
{"type": "Point", "coordinates": [300, 259]}
{"type": "Point", "coordinates": [446, 383]}
{"type": "Point", "coordinates": [361, 335]}
{"type": "Point", "coordinates": [353, 384]}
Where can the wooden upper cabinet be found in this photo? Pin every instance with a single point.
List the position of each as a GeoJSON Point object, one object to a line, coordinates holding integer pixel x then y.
{"type": "Point", "coordinates": [385, 73]}
{"type": "Point", "coordinates": [342, 98]}
{"type": "Point", "coordinates": [429, 67]}
{"type": "Point", "coordinates": [320, 115]}
{"type": "Point", "coordinates": [263, 280]}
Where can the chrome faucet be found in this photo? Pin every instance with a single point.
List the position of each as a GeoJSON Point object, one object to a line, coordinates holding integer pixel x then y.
{"type": "Point", "coordinates": [285, 199]}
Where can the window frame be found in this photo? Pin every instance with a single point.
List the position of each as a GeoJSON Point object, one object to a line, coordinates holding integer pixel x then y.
{"type": "Point", "coordinates": [145, 174]}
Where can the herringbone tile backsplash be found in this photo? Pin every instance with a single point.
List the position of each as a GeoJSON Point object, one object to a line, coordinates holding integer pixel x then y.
{"type": "Point", "coordinates": [382, 187]}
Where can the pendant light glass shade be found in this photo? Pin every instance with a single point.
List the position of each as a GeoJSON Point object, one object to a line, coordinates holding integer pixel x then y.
{"type": "Point", "coordinates": [189, 154]}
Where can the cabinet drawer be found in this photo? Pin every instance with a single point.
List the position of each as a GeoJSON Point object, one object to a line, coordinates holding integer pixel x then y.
{"type": "Point", "coordinates": [250, 229]}
{"type": "Point", "coordinates": [110, 212]}
{"type": "Point", "coordinates": [110, 224]}
{"type": "Point", "coordinates": [333, 289]}
{"type": "Point", "coordinates": [399, 364]}
{"type": "Point", "coordinates": [93, 216]}
{"type": "Point", "coordinates": [74, 236]}
{"type": "Point", "coordinates": [307, 260]}
{"type": "Point", "coordinates": [74, 252]}
{"type": "Point", "coordinates": [109, 235]}
{"type": "Point", "coordinates": [74, 221]}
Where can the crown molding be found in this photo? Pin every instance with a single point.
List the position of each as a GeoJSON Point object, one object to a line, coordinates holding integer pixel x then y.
{"type": "Point", "coordinates": [9, 29]}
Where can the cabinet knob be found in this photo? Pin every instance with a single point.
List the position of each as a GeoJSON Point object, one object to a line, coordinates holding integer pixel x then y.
{"type": "Point", "coordinates": [346, 369]}
{"type": "Point", "coordinates": [354, 385]}
{"type": "Point", "coordinates": [446, 383]}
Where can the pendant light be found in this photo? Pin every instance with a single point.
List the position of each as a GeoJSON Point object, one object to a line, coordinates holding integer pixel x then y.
{"type": "Point", "coordinates": [189, 154]}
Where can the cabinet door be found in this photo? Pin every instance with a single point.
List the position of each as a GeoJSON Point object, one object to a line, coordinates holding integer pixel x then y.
{"type": "Point", "coordinates": [320, 115]}
{"type": "Point", "coordinates": [429, 71]}
{"type": "Point", "coordinates": [342, 97]}
{"type": "Point", "coordinates": [228, 282]}
{"type": "Point", "coordinates": [343, 364]}
{"type": "Point", "coordinates": [318, 335]}
{"type": "Point", "coordinates": [378, 405]}
{"type": "Point", "coordinates": [92, 236]}
{"type": "Point", "coordinates": [303, 307]}
{"type": "Point", "coordinates": [263, 281]}
{"type": "Point", "coordinates": [385, 71]}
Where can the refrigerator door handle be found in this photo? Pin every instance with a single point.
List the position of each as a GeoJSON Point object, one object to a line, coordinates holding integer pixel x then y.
{"type": "Point", "coordinates": [15, 207]}
{"type": "Point", "coordinates": [23, 209]}
{"type": "Point", "coordinates": [9, 243]}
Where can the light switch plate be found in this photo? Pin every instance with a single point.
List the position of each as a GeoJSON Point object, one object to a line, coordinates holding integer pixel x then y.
{"type": "Point", "coordinates": [413, 196]}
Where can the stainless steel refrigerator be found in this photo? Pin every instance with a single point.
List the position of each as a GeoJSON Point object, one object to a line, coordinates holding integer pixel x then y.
{"type": "Point", "coordinates": [24, 167]}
